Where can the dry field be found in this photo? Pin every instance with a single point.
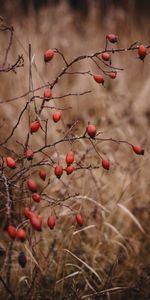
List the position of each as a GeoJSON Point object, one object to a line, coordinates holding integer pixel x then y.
{"type": "Point", "coordinates": [108, 258]}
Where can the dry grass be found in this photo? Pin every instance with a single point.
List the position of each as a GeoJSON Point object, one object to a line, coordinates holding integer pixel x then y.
{"type": "Point", "coordinates": [111, 252]}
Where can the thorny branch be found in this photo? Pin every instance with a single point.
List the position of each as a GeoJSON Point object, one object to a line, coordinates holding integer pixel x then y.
{"type": "Point", "coordinates": [17, 123]}
{"type": "Point", "coordinates": [68, 65]}
{"type": "Point", "coordinates": [76, 138]}
{"type": "Point", "coordinates": [7, 288]}
{"type": "Point", "coordinates": [9, 200]}
{"type": "Point", "coordinates": [4, 66]}
{"type": "Point", "coordinates": [65, 72]}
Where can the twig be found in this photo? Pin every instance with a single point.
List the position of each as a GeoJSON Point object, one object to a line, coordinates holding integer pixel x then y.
{"type": "Point", "coordinates": [7, 288]}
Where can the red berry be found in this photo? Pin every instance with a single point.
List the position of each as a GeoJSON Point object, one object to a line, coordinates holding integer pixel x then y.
{"type": "Point", "coordinates": [36, 222]}
{"type": "Point", "coordinates": [79, 219]}
{"type": "Point", "coordinates": [47, 94]}
{"type": "Point", "coordinates": [32, 186]}
{"type": "Point", "coordinates": [56, 116]}
{"type": "Point", "coordinates": [27, 212]}
{"type": "Point", "coordinates": [105, 56]}
{"type": "Point", "coordinates": [138, 150]}
{"type": "Point", "coordinates": [69, 169]}
{"type": "Point", "coordinates": [29, 154]}
{"type": "Point", "coordinates": [10, 162]}
{"type": "Point", "coordinates": [11, 230]}
{"type": "Point", "coordinates": [105, 164]}
{"type": "Point", "coordinates": [91, 130]}
{"type": "Point", "coordinates": [36, 197]}
{"type": "Point", "coordinates": [58, 171]}
{"type": "Point", "coordinates": [51, 222]}
{"type": "Point", "coordinates": [112, 75]}
{"type": "Point", "coordinates": [113, 38]}
{"type": "Point", "coordinates": [48, 55]}
{"type": "Point", "coordinates": [142, 51]}
{"type": "Point", "coordinates": [42, 174]}
{"type": "Point", "coordinates": [69, 158]}
{"type": "Point", "coordinates": [98, 78]}
{"type": "Point", "coordinates": [34, 126]}
{"type": "Point", "coordinates": [21, 235]}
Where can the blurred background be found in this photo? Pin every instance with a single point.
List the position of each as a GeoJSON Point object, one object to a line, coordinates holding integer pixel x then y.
{"type": "Point", "coordinates": [82, 6]}
{"type": "Point", "coordinates": [121, 110]}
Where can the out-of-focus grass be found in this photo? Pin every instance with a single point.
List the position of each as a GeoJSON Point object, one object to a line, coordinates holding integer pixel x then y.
{"type": "Point", "coordinates": [109, 251]}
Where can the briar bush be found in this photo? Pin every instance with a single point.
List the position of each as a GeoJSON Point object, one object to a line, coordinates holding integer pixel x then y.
{"type": "Point", "coordinates": [44, 185]}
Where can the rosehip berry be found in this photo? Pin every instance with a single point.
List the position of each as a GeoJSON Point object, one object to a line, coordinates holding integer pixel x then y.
{"type": "Point", "coordinates": [98, 78]}
{"type": "Point", "coordinates": [22, 260]}
{"type": "Point", "coordinates": [11, 230]}
{"type": "Point", "coordinates": [47, 94]}
{"type": "Point", "coordinates": [34, 126]}
{"type": "Point", "coordinates": [42, 174]}
{"type": "Point", "coordinates": [56, 116]}
{"type": "Point", "coordinates": [21, 235]}
{"type": "Point", "coordinates": [36, 222]}
{"type": "Point", "coordinates": [51, 222]}
{"type": "Point", "coordinates": [10, 162]}
{"type": "Point", "coordinates": [91, 130]}
{"type": "Point", "coordinates": [105, 164]}
{"type": "Point", "coordinates": [138, 150]}
{"type": "Point", "coordinates": [36, 197]}
{"type": "Point", "coordinates": [142, 51]}
{"type": "Point", "coordinates": [32, 186]}
{"type": "Point", "coordinates": [28, 213]}
{"type": "Point", "coordinates": [112, 75]}
{"type": "Point", "coordinates": [69, 169]}
{"type": "Point", "coordinates": [48, 55]}
{"type": "Point", "coordinates": [29, 154]}
{"type": "Point", "coordinates": [69, 158]}
{"type": "Point", "coordinates": [79, 219]}
{"type": "Point", "coordinates": [113, 38]}
{"type": "Point", "coordinates": [58, 171]}
{"type": "Point", "coordinates": [105, 56]}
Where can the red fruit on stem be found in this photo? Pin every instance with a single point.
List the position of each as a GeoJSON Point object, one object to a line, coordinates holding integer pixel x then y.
{"type": "Point", "coordinates": [10, 162]}
{"type": "Point", "coordinates": [32, 186]}
{"type": "Point", "coordinates": [138, 150]}
{"type": "Point", "coordinates": [51, 222]}
{"type": "Point", "coordinates": [98, 78]}
{"type": "Point", "coordinates": [113, 38]}
{"type": "Point", "coordinates": [29, 154]}
{"type": "Point", "coordinates": [79, 219]}
{"type": "Point", "coordinates": [11, 230]}
{"type": "Point", "coordinates": [69, 158]}
{"type": "Point", "coordinates": [21, 235]}
{"type": "Point", "coordinates": [142, 52]}
{"type": "Point", "coordinates": [58, 171]}
{"type": "Point", "coordinates": [47, 94]}
{"type": "Point", "coordinates": [36, 222]}
{"type": "Point", "coordinates": [105, 56]}
{"type": "Point", "coordinates": [105, 164]}
{"type": "Point", "coordinates": [34, 126]}
{"type": "Point", "coordinates": [56, 116]}
{"type": "Point", "coordinates": [27, 212]}
{"type": "Point", "coordinates": [48, 55]}
{"type": "Point", "coordinates": [112, 75]}
{"type": "Point", "coordinates": [91, 130]}
{"type": "Point", "coordinates": [42, 174]}
{"type": "Point", "coordinates": [69, 169]}
{"type": "Point", "coordinates": [36, 197]}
